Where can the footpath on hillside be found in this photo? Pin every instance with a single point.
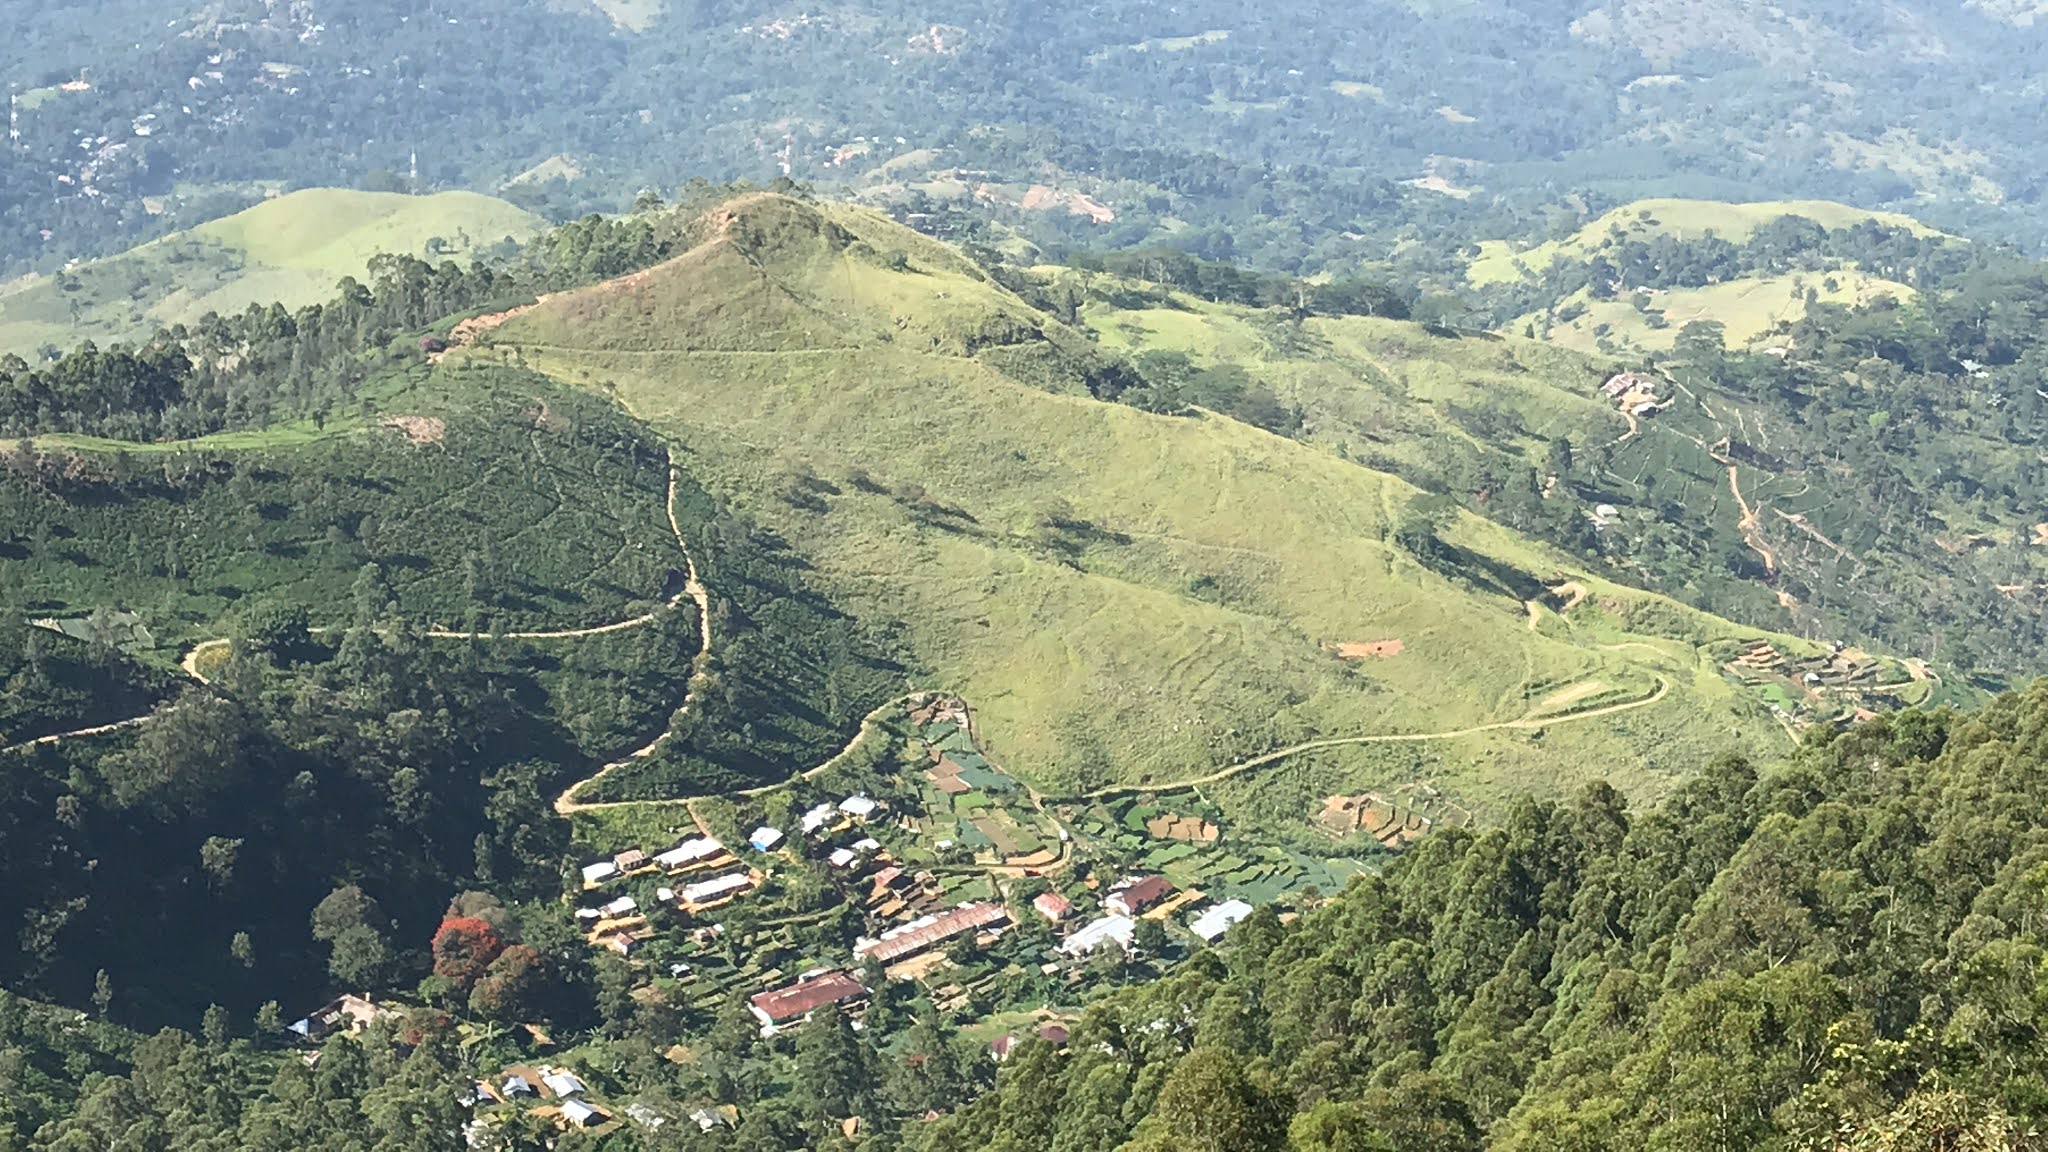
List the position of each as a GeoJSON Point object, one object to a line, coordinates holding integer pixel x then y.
{"type": "Point", "coordinates": [568, 803]}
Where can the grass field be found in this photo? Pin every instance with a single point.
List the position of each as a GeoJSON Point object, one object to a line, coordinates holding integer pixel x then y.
{"type": "Point", "coordinates": [1124, 597]}
{"type": "Point", "coordinates": [291, 250]}
{"type": "Point", "coordinates": [1500, 261]}
{"type": "Point", "coordinates": [1382, 391]}
{"type": "Point", "coordinates": [1749, 308]}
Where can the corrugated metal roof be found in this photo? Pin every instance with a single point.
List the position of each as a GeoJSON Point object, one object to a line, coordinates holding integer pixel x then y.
{"type": "Point", "coordinates": [925, 932]}
{"type": "Point", "coordinates": [802, 998]}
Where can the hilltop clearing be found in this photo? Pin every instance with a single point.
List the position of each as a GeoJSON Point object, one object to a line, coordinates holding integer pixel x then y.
{"type": "Point", "coordinates": [1500, 261]}
{"type": "Point", "coordinates": [1125, 596]}
{"type": "Point", "coordinates": [1748, 309]}
{"type": "Point", "coordinates": [292, 250]}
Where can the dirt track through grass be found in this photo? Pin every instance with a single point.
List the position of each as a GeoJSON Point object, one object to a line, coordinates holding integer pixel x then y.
{"type": "Point", "coordinates": [1526, 723]}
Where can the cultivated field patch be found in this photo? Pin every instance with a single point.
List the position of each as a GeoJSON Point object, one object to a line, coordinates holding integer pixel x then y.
{"type": "Point", "coordinates": [1370, 649]}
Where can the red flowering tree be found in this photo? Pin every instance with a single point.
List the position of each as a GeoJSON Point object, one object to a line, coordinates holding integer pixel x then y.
{"type": "Point", "coordinates": [464, 947]}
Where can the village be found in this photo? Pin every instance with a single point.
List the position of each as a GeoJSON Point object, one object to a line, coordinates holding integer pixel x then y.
{"type": "Point", "coordinates": [958, 884]}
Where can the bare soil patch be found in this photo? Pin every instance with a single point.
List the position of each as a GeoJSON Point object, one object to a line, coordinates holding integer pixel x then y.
{"type": "Point", "coordinates": [465, 332]}
{"type": "Point", "coordinates": [1574, 593]}
{"type": "Point", "coordinates": [1173, 826]}
{"type": "Point", "coordinates": [1369, 649]}
{"type": "Point", "coordinates": [421, 430]}
{"type": "Point", "coordinates": [1392, 826]}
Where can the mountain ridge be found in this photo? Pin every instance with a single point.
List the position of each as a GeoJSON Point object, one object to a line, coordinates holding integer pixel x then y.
{"type": "Point", "coordinates": [961, 510]}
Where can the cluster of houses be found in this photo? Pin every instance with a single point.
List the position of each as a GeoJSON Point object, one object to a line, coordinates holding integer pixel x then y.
{"type": "Point", "coordinates": [1132, 899]}
{"type": "Point", "coordinates": [895, 950]}
{"type": "Point", "coordinates": [824, 819]}
{"type": "Point", "coordinates": [700, 875]}
{"type": "Point", "coordinates": [554, 1093]}
{"type": "Point", "coordinates": [1633, 392]}
{"type": "Point", "coordinates": [908, 949]}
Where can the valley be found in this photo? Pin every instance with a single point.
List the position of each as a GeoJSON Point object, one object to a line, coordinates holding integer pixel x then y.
{"type": "Point", "coordinates": [961, 646]}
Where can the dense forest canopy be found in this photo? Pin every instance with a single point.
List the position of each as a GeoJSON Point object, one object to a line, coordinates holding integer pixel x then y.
{"type": "Point", "coordinates": [1841, 952]}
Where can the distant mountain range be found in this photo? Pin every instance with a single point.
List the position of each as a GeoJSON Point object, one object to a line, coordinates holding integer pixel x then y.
{"type": "Point", "coordinates": [1234, 128]}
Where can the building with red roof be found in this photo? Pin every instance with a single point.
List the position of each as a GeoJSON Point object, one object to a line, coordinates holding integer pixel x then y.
{"type": "Point", "coordinates": [783, 1007]}
{"type": "Point", "coordinates": [1052, 906]}
{"type": "Point", "coordinates": [1133, 898]}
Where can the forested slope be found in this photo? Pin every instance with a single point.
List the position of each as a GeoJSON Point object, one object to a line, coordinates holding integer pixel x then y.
{"type": "Point", "coordinates": [1844, 950]}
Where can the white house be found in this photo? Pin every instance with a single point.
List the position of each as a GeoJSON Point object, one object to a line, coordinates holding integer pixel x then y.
{"type": "Point", "coordinates": [819, 817]}
{"type": "Point", "coordinates": [764, 838]}
{"type": "Point", "coordinates": [717, 888]}
{"type": "Point", "coordinates": [858, 807]}
{"type": "Point", "coordinates": [581, 1115]}
{"type": "Point", "coordinates": [689, 852]}
{"type": "Point", "coordinates": [1118, 928]}
{"type": "Point", "coordinates": [563, 1082]}
{"type": "Point", "coordinates": [599, 872]}
{"type": "Point", "coordinates": [1211, 925]}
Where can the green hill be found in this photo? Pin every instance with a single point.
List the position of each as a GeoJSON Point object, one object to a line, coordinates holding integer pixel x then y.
{"type": "Point", "coordinates": [291, 250]}
{"type": "Point", "coordinates": [1772, 485]}
{"type": "Point", "coordinates": [1125, 597]}
{"type": "Point", "coordinates": [1749, 308]}
{"type": "Point", "coordinates": [1630, 281]}
{"type": "Point", "coordinates": [1498, 261]}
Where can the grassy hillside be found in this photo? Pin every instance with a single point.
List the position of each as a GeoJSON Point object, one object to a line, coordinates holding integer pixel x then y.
{"type": "Point", "coordinates": [1756, 485]}
{"type": "Point", "coordinates": [1749, 308]}
{"type": "Point", "coordinates": [1126, 597]}
{"type": "Point", "coordinates": [290, 250]}
{"type": "Point", "coordinates": [1388, 393]}
{"type": "Point", "coordinates": [1500, 261]}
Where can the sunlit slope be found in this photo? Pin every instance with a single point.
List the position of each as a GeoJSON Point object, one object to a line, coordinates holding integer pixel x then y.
{"type": "Point", "coordinates": [291, 250]}
{"type": "Point", "coordinates": [1681, 219]}
{"type": "Point", "coordinates": [1748, 308]}
{"type": "Point", "coordinates": [1124, 596]}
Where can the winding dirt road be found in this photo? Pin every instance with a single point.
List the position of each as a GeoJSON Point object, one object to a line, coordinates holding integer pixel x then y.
{"type": "Point", "coordinates": [566, 804]}
{"type": "Point", "coordinates": [80, 733]}
{"type": "Point", "coordinates": [1526, 723]}
{"type": "Point", "coordinates": [693, 589]}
